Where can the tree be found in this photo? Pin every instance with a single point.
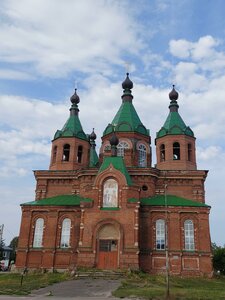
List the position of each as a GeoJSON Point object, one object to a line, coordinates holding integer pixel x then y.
{"type": "Point", "coordinates": [2, 244]}
{"type": "Point", "coordinates": [13, 244]}
{"type": "Point", "coordinates": [218, 258]}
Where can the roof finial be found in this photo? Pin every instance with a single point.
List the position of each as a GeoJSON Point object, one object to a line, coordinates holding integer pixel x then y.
{"type": "Point", "coordinates": [114, 141]}
{"type": "Point", "coordinates": [173, 95]}
{"type": "Point", "coordinates": [93, 135]}
{"type": "Point", "coordinates": [75, 99]}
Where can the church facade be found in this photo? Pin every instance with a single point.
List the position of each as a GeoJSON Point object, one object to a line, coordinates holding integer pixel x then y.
{"type": "Point", "coordinates": [114, 210]}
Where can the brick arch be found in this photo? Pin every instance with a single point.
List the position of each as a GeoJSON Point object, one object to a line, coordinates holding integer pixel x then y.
{"type": "Point", "coordinates": [159, 216]}
{"type": "Point", "coordinates": [141, 142]}
{"type": "Point", "coordinates": [110, 172]}
{"type": "Point", "coordinates": [38, 216]}
{"type": "Point", "coordinates": [65, 216]}
{"type": "Point", "coordinates": [106, 222]}
{"type": "Point", "coordinates": [126, 140]}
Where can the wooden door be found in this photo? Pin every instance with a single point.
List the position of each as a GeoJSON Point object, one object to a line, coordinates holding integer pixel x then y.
{"type": "Point", "coordinates": [108, 254]}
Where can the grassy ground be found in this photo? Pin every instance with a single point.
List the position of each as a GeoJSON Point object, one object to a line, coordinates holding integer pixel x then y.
{"type": "Point", "coordinates": [10, 284]}
{"type": "Point", "coordinates": [153, 287]}
{"type": "Point", "coordinates": [135, 284]}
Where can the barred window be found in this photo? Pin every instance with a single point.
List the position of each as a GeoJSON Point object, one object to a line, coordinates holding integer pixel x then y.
{"type": "Point", "coordinates": [65, 234]}
{"type": "Point", "coordinates": [38, 233]}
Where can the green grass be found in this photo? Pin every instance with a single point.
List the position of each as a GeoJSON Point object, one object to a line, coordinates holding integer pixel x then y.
{"type": "Point", "coordinates": [153, 287]}
{"type": "Point", "coordinates": [10, 284]}
{"type": "Point", "coordinates": [135, 284]}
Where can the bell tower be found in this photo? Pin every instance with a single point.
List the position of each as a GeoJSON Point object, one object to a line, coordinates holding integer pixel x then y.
{"type": "Point", "coordinates": [134, 138]}
{"type": "Point", "coordinates": [175, 142]}
{"type": "Point", "coordinates": [70, 146]}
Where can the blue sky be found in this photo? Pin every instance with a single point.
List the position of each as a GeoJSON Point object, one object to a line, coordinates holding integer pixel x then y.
{"type": "Point", "coordinates": [47, 47]}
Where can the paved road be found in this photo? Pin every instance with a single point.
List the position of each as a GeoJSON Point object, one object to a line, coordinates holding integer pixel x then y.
{"type": "Point", "coordinates": [80, 289]}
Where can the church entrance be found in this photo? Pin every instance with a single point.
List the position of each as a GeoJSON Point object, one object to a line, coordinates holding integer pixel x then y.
{"type": "Point", "coordinates": [108, 248]}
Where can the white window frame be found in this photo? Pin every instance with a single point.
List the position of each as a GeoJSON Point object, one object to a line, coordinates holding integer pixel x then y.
{"type": "Point", "coordinates": [142, 155]}
{"type": "Point", "coordinates": [189, 236]}
{"type": "Point", "coordinates": [38, 233]}
{"type": "Point", "coordinates": [120, 148]}
{"type": "Point", "coordinates": [160, 234]}
{"type": "Point", "coordinates": [65, 233]}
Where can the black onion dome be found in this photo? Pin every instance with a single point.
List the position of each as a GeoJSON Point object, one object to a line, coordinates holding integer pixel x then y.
{"type": "Point", "coordinates": [114, 140]}
{"type": "Point", "coordinates": [93, 135]}
{"type": "Point", "coordinates": [127, 84]}
{"type": "Point", "coordinates": [173, 95]}
{"type": "Point", "coordinates": [75, 99]}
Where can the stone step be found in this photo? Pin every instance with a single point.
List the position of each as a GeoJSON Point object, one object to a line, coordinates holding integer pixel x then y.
{"type": "Point", "coordinates": [100, 274]}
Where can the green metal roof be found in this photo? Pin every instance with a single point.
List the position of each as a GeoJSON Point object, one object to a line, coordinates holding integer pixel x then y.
{"type": "Point", "coordinates": [93, 158]}
{"type": "Point", "coordinates": [72, 128]}
{"type": "Point", "coordinates": [61, 200]}
{"type": "Point", "coordinates": [118, 163]}
{"type": "Point", "coordinates": [174, 125]}
{"type": "Point", "coordinates": [159, 200]}
{"type": "Point", "coordinates": [126, 120]}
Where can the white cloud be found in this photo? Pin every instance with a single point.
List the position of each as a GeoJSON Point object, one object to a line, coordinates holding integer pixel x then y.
{"type": "Point", "coordinates": [180, 48]}
{"type": "Point", "coordinates": [59, 38]}
{"type": "Point", "coordinates": [201, 62]}
{"type": "Point", "coordinates": [211, 152]}
{"type": "Point", "coordinates": [186, 76]}
{"type": "Point", "coordinates": [202, 49]}
{"type": "Point", "coordinates": [13, 74]}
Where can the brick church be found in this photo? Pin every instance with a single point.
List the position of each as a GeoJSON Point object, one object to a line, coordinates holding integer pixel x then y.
{"type": "Point", "coordinates": [115, 210]}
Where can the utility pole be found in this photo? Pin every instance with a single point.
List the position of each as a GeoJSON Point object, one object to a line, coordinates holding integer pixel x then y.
{"type": "Point", "coordinates": [1, 233]}
{"type": "Point", "coordinates": [167, 248]}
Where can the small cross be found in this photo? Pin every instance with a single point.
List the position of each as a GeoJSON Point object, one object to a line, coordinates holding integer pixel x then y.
{"type": "Point", "coordinates": [127, 66]}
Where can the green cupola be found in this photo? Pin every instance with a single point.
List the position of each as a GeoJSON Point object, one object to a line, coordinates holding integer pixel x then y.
{"type": "Point", "coordinates": [126, 119]}
{"type": "Point", "coordinates": [93, 154]}
{"type": "Point", "coordinates": [72, 127]}
{"type": "Point", "coordinates": [174, 124]}
{"type": "Point", "coordinates": [175, 142]}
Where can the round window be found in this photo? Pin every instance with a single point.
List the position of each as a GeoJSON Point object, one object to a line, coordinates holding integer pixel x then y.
{"type": "Point", "coordinates": [144, 188]}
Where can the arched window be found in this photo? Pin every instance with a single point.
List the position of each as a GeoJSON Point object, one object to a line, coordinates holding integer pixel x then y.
{"type": "Point", "coordinates": [54, 154]}
{"type": "Point", "coordinates": [142, 155]}
{"type": "Point", "coordinates": [189, 240]}
{"type": "Point", "coordinates": [160, 234]}
{"type": "Point", "coordinates": [66, 152]}
{"type": "Point", "coordinates": [65, 234]}
{"type": "Point", "coordinates": [120, 148]}
{"type": "Point", "coordinates": [162, 152]}
{"type": "Point", "coordinates": [79, 154]}
{"type": "Point", "coordinates": [38, 233]}
{"type": "Point", "coordinates": [110, 193]}
{"type": "Point", "coordinates": [176, 151]}
{"type": "Point", "coordinates": [189, 152]}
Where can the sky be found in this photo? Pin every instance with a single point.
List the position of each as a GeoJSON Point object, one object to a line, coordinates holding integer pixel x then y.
{"type": "Point", "coordinates": [49, 47]}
